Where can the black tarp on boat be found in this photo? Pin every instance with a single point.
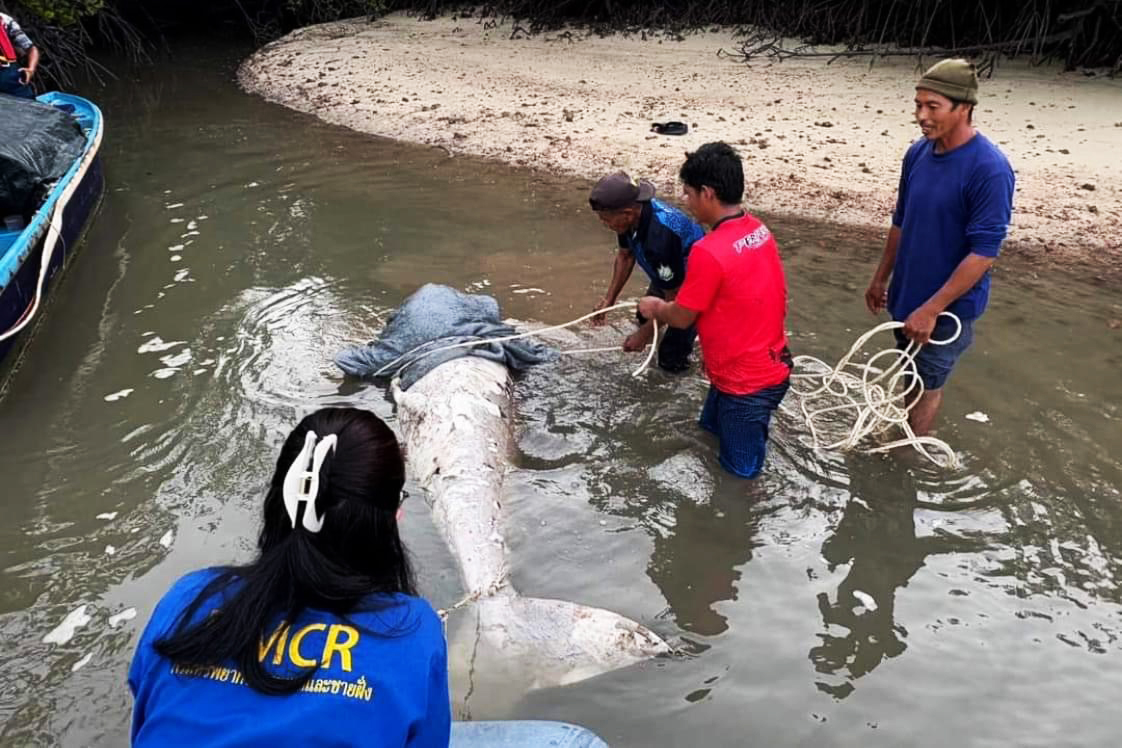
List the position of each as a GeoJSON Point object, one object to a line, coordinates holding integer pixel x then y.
{"type": "Point", "coordinates": [38, 144]}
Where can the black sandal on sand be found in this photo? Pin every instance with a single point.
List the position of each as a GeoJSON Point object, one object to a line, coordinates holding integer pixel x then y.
{"type": "Point", "coordinates": [670, 128]}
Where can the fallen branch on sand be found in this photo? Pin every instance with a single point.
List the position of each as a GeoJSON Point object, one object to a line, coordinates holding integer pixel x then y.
{"type": "Point", "coordinates": [768, 46]}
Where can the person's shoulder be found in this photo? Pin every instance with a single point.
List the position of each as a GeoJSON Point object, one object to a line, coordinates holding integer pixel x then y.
{"type": "Point", "coordinates": [747, 232]}
{"type": "Point", "coordinates": [189, 586]}
{"type": "Point", "coordinates": [672, 216]}
{"type": "Point", "coordinates": [400, 614]}
{"type": "Point", "coordinates": [431, 624]}
{"type": "Point", "coordinates": [420, 608]}
{"type": "Point", "coordinates": [193, 581]}
{"type": "Point", "coordinates": [917, 149]}
{"type": "Point", "coordinates": [749, 219]}
{"type": "Point", "coordinates": [990, 157]}
{"type": "Point", "coordinates": [710, 248]}
{"type": "Point", "coordinates": [731, 228]}
{"type": "Point", "coordinates": [179, 596]}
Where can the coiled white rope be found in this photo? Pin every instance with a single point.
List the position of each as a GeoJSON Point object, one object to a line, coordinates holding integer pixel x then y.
{"type": "Point", "coordinates": [876, 399]}
{"type": "Point", "coordinates": [405, 364]}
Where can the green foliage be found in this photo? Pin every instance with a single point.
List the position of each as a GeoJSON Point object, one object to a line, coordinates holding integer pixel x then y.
{"type": "Point", "coordinates": [56, 12]}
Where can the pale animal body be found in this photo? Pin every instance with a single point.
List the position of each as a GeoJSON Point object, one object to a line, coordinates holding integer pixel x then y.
{"type": "Point", "coordinates": [456, 433]}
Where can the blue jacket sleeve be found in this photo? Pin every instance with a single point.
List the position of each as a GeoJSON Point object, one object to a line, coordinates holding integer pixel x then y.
{"type": "Point", "coordinates": [435, 730]}
{"type": "Point", "coordinates": [990, 199]}
{"type": "Point", "coordinates": [137, 669]}
{"type": "Point", "coordinates": [669, 240]}
{"type": "Point", "coordinates": [145, 661]}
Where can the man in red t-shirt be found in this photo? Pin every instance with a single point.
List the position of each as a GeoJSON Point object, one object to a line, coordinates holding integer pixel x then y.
{"type": "Point", "coordinates": [736, 293]}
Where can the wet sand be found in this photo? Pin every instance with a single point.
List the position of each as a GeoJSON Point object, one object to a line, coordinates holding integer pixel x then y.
{"type": "Point", "coordinates": [822, 142]}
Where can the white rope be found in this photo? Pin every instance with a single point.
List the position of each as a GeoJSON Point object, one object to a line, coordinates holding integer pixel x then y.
{"type": "Point", "coordinates": [605, 349]}
{"type": "Point", "coordinates": [51, 238]}
{"type": "Point", "coordinates": [877, 399]}
{"type": "Point", "coordinates": [443, 613]}
{"type": "Point", "coordinates": [488, 341]}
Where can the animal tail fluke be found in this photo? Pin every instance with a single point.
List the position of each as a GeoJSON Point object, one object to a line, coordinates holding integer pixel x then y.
{"type": "Point", "coordinates": [523, 643]}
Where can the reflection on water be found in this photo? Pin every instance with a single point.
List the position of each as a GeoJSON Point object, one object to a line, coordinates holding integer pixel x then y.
{"type": "Point", "coordinates": [693, 584]}
{"type": "Point", "coordinates": [875, 537]}
{"type": "Point", "coordinates": [839, 599]}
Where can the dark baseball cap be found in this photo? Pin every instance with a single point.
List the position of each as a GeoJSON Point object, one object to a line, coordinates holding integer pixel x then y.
{"type": "Point", "coordinates": [617, 191]}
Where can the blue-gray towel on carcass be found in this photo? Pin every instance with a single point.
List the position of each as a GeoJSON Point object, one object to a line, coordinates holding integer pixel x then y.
{"type": "Point", "coordinates": [436, 316]}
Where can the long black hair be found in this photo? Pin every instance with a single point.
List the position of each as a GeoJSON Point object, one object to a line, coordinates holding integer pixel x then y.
{"type": "Point", "coordinates": [352, 563]}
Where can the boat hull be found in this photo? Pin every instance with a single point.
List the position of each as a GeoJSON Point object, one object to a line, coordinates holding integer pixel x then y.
{"type": "Point", "coordinates": [25, 256]}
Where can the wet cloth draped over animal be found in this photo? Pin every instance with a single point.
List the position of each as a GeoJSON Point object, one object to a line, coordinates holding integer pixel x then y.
{"type": "Point", "coordinates": [436, 316]}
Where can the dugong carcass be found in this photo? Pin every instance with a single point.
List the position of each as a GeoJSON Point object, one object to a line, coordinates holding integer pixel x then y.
{"type": "Point", "coordinates": [456, 430]}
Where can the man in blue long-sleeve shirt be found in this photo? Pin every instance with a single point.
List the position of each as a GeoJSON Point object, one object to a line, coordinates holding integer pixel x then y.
{"type": "Point", "coordinates": [952, 214]}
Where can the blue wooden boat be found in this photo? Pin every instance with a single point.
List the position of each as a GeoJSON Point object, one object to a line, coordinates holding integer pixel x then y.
{"type": "Point", "coordinates": [37, 242]}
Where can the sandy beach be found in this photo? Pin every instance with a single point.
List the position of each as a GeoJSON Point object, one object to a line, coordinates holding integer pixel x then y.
{"type": "Point", "coordinates": [820, 141]}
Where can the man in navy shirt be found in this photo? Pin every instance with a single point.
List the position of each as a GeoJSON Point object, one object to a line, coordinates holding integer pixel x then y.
{"type": "Point", "coordinates": [658, 237]}
{"type": "Point", "coordinates": [952, 214]}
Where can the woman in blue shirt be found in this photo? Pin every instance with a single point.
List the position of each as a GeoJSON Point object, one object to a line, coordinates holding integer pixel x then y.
{"type": "Point", "coordinates": [321, 639]}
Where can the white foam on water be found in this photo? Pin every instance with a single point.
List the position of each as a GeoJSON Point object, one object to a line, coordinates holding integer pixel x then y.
{"type": "Point", "coordinates": [125, 615]}
{"type": "Point", "coordinates": [165, 541]}
{"type": "Point", "coordinates": [65, 631]}
{"type": "Point", "coordinates": [110, 550]}
{"type": "Point", "coordinates": [108, 516]}
{"type": "Point", "coordinates": [177, 359]}
{"type": "Point", "coordinates": [82, 662]}
{"type": "Point", "coordinates": [866, 600]}
{"type": "Point", "coordinates": [156, 344]}
{"type": "Point", "coordinates": [113, 397]}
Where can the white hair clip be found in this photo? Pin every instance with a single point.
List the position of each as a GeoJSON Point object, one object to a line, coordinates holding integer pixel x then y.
{"type": "Point", "coordinates": [301, 482]}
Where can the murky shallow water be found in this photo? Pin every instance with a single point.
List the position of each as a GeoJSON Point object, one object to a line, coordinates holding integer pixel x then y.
{"type": "Point", "coordinates": [241, 245]}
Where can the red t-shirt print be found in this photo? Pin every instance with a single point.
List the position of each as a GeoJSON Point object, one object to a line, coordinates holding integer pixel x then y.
{"type": "Point", "coordinates": [735, 282]}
